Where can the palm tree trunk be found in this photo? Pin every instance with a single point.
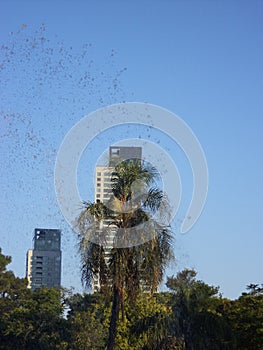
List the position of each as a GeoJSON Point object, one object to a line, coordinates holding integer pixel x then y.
{"type": "Point", "coordinates": [114, 318]}
{"type": "Point", "coordinates": [122, 302]}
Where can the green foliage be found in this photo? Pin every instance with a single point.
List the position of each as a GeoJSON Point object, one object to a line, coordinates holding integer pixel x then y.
{"type": "Point", "coordinates": [90, 315]}
{"type": "Point", "coordinates": [148, 321]}
{"type": "Point", "coordinates": [196, 320]}
{"type": "Point", "coordinates": [245, 315]}
{"type": "Point", "coordinates": [190, 317]}
{"type": "Point", "coordinates": [88, 321]}
{"type": "Point", "coordinates": [35, 322]}
{"type": "Point", "coordinates": [28, 320]}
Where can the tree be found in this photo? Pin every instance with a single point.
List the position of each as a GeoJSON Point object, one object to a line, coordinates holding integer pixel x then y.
{"type": "Point", "coordinates": [196, 319]}
{"type": "Point", "coordinates": [88, 321]}
{"type": "Point", "coordinates": [13, 291]}
{"type": "Point", "coordinates": [10, 286]}
{"type": "Point", "coordinates": [132, 206]}
{"type": "Point", "coordinates": [29, 320]}
{"type": "Point", "coordinates": [151, 321]}
{"type": "Point", "coordinates": [245, 316]}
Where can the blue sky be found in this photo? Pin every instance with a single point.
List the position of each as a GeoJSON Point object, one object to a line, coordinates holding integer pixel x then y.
{"type": "Point", "coordinates": [200, 59]}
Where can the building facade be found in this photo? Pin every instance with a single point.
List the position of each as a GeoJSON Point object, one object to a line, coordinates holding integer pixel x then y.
{"type": "Point", "coordinates": [43, 263]}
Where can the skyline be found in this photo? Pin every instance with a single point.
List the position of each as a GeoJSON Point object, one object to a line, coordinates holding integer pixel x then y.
{"type": "Point", "coordinates": [200, 60]}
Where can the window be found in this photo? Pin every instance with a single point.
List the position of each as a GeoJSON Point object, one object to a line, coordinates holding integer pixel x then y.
{"type": "Point", "coordinates": [109, 185]}
{"type": "Point", "coordinates": [115, 152]}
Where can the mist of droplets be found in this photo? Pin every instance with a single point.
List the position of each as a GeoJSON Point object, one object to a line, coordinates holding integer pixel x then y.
{"type": "Point", "coordinates": [46, 87]}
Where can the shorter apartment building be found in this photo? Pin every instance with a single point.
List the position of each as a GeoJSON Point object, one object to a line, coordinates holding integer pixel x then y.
{"type": "Point", "coordinates": [43, 263]}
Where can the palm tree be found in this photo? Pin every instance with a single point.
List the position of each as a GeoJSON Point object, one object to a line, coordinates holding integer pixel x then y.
{"type": "Point", "coordinates": [142, 245]}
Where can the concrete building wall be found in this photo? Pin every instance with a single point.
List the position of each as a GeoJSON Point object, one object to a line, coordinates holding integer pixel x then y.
{"type": "Point", "coordinates": [29, 267]}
